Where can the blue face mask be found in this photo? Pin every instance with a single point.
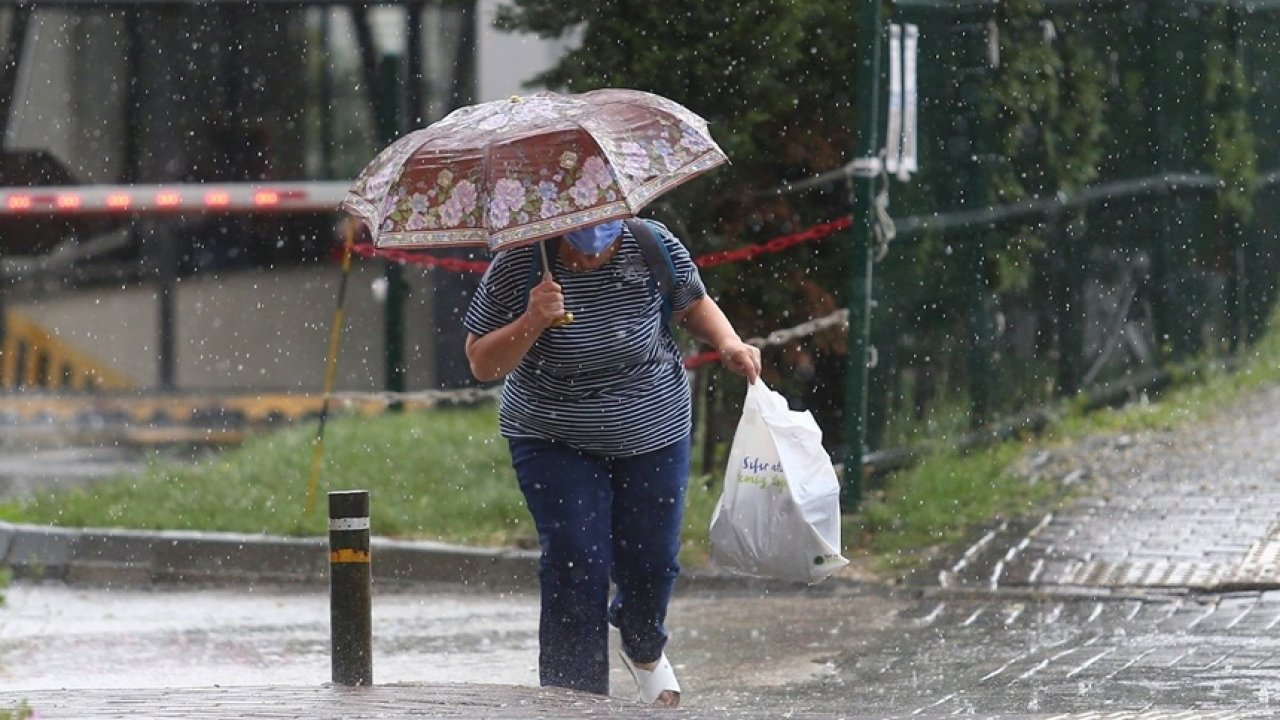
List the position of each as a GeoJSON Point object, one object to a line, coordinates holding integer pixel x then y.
{"type": "Point", "coordinates": [595, 239]}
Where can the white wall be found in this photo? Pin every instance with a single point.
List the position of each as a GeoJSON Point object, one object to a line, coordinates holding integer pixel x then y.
{"type": "Point", "coordinates": [506, 60]}
{"type": "Point", "coordinates": [270, 330]}
{"type": "Point", "coordinates": [264, 330]}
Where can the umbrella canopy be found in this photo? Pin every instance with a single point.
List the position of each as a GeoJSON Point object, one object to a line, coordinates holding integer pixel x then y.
{"type": "Point", "coordinates": [510, 172]}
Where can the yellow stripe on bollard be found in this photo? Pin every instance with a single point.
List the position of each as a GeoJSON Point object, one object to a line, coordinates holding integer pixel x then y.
{"type": "Point", "coordinates": [347, 555]}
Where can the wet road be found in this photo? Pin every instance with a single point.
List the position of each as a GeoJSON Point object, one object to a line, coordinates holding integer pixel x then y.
{"type": "Point", "coordinates": [1036, 654]}
{"type": "Point", "coordinates": [837, 650]}
{"type": "Point", "coordinates": [58, 636]}
{"type": "Point", "coordinates": [27, 468]}
{"type": "Point", "coordinates": [1155, 595]}
{"type": "Point", "coordinates": [53, 635]}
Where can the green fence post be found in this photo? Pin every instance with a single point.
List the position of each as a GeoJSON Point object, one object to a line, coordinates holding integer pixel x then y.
{"type": "Point", "coordinates": [1068, 299]}
{"type": "Point", "coordinates": [1173, 104]}
{"type": "Point", "coordinates": [981, 321]}
{"type": "Point", "coordinates": [867, 147]}
{"type": "Point", "coordinates": [970, 42]}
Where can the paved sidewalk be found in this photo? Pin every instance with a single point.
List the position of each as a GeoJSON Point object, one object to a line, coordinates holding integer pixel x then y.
{"type": "Point", "coordinates": [1176, 544]}
{"type": "Point", "coordinates": [1197, 509]}
{"type": "Point", "coordinates": [389, 702]}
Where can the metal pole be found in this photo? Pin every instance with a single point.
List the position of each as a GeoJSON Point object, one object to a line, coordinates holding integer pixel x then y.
{"type": "Point", "coordinates": [17, 40]}
{"type": "Point", "coordinates": [350, 588]}
{"type": "Point", "coordinates": [1069, 275]}
{"type": "Point", "coordinates": [863, 186]}
{"type": "Point", "coordinates": [981, 328]}
{"type": "Point", "coordinates": [391, 125]}
{"type": "Point", "coordinates": [162, 251]}
{"type": "Point", "coordinates": [327, 135]}
{"type": "Point", "coordinates": [415, 114]}
{"type": "Point", "coordinates": [1173, 134]}
{"type": "Point", "coordinates": [449, 291]}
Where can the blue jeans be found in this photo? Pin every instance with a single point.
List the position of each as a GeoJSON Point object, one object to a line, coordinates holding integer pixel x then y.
{"type": "Point", "coordinates": [601, 519]}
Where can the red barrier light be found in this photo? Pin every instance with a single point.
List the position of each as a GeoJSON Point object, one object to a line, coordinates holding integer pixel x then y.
{"type": "Point", "coordinates": [266, 197]}
{"type": "Point", "coordinates": [174, 198]}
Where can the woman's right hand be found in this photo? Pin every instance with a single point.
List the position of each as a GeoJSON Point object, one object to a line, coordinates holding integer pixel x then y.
{"type": "Point", "coordinates": [546, 302]}
{"type": "Point", "coordinates": [495, 354]}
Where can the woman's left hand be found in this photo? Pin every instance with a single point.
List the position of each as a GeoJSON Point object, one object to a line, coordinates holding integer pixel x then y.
{"type": "Point", "coordinates": [741, 358]}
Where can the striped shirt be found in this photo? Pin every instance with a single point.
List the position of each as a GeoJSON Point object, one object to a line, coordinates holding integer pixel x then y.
{"type": "Point", "coordinates": [611, 382]}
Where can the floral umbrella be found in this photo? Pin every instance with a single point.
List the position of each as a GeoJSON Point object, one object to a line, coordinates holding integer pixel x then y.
{"type": "Point", "coordinates": [510, 172]}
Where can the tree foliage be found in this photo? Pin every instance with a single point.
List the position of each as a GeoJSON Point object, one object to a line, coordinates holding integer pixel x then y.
{"type": "Point", "coordinates": [1065, 103]}
{"type": "Point", "coordinates": [1047, 101]}
{"type": "Point", "coordinates": [1231, 150]}
{"type": "Point", "coordinates": [773, 78]}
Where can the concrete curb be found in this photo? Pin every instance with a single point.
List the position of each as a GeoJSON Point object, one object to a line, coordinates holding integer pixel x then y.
{"type": "Point", "coordinates": [134, 557]}
{"type": "Point", "coordinates": [113, 557]}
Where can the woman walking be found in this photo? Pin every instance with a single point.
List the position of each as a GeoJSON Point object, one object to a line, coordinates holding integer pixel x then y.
{"type": "Point", "coordinates": [597, 415]}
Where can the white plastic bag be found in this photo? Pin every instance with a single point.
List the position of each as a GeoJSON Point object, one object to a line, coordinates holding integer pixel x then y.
{"type": "Point", "coordinates": [779, 514]}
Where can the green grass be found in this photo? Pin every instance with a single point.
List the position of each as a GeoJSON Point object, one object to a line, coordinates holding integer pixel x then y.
{"type": "Point", "coordinates": [1197, 393]}
{"type": "Point", "coordinates": [441, 475]}
{"type": "Point", "coordinates": [940, 500]}
{"type": "Point", "coordinates": [445, 475]}
{"type": "Point", "coordinates": [700, 502]}
{"type": "Point", "coordinates": [22, 712]}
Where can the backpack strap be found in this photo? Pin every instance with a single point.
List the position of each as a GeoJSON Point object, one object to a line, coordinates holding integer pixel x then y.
{"type": "Point", "coordinates": [656, 257]}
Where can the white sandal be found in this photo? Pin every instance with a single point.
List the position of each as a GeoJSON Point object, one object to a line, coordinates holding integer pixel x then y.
{"type": "Point", "coordinates": [652, 683]}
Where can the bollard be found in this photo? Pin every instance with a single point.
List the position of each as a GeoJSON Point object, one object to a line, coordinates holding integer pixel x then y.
{"type": "Point", "coordinates": [350, 588]}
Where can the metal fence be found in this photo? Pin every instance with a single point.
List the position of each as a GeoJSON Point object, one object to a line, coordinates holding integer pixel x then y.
{"type": "Point", "coordinates": [1096, 200]}
{"type": "Point", "coordinates": [1164, 253]}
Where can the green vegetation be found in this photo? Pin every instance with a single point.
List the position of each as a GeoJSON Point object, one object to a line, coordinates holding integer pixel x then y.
{"type": "Point", "coordinates": [939, 500]}
{"type": "Point", "coordinates": [441, 475]}
{"type": "Point", "coordinates": [22, 712]}
{"type": "Point", "coordinates": [1201, 389]}
{"type": "Point", "coordinates": [444, 475]}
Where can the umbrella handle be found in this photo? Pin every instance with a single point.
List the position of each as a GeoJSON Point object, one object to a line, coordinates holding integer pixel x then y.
{"type": "Point", "coordinates": [566, 318]}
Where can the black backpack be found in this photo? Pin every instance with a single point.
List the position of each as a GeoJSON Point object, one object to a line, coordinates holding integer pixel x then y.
{"type": "Point", "coordinates": [662, 272]}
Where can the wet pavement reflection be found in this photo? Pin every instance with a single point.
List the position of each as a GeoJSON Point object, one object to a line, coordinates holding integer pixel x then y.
{"type": "Point", "coordinates": [952, 654]}
{"type": "Point", "coordinates": [838, 650]}
{"type": "Point", "coordinates": [53, 635]}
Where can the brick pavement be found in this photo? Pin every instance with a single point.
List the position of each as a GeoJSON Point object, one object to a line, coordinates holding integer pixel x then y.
{"type": "Point", "coordinates": [1214, 653]}
{"type": "Point", "coordinates": [1196, 509]}
{"type": "Point", "coordinates": [1156, 587]}
{"type": "Point", "coordinates": [390, 702]}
